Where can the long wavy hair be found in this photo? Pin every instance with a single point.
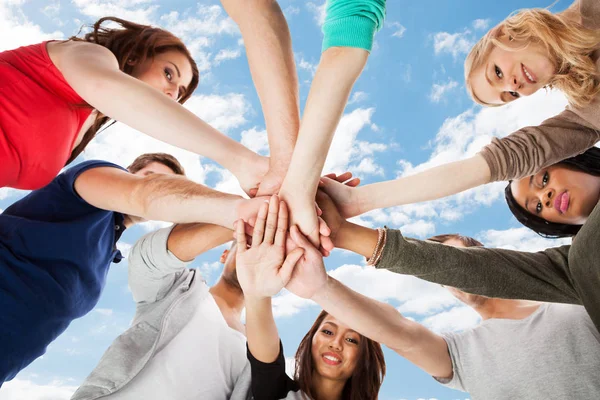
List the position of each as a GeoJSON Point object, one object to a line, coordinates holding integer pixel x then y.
{"type": "Point", "coordinates": [366, 380]}
{"type": "Point", "coordinates": [588, 162]}
{"type": "Point", "coordinates": [132, 42]}
{"type": "Point", "coordinates": [568, 43]}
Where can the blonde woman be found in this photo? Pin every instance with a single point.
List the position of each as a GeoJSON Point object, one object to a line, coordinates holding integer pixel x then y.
{"type": "Point", "coordinates": [529, 50]}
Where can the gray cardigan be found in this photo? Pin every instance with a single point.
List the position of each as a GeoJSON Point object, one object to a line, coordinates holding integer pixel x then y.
{"type": "Point", "coordinates": [166, 293]}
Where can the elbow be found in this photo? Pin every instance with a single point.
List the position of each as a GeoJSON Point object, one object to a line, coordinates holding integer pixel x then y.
{"type": "Point", "coordinates": [247, 10]}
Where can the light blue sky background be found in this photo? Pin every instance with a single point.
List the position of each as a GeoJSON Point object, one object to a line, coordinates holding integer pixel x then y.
{"type": "Point", "coordinates": [409, 111]}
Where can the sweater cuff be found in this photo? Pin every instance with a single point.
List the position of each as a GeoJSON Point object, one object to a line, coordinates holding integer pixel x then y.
{"type": "Point", "coordinates": [392, 251]}
{"type": "Point", "coordinates": [353, 31]}
{"type": "Point", "coordinates": [492, 162]}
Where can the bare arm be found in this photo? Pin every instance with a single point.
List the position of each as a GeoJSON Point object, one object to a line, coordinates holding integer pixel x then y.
{"type": "Point", "coordinates": [338, 70]}
{"type": "Point", "coordinates": [161, 197]}
{"type": "Point", "coordinates": [159, 257]}
{"type": "Point", "coordinates": [434, 183]}
{"type": "Point", "coordinates": [263, 270]}
{"type": "Point", "coordinates": [187, 241]}
{"type": "Point", "coordinates": [271, 59]}
{"type": "Point", "coordinates": [92, 71]}
{"type": "Point", "coordinates": [384, 324]}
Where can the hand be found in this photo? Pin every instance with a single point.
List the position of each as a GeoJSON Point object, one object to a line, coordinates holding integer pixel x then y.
{"type": "Point", "coordinates": [247, 209]}
{"type": "Point", "coordinates": [331, 215]}
{"type": "Point", "coordinates": [261, 269]}
{"type": "Point", "coordinates": [309, 275]}
{"type": "Point", "coordinates": [304, 213]}
{"type": "Point", "coordinates": [271, 182]}
{"type": "Point", "coordinates": [251, 174]}
{"type": "Point", "coordinates": [342, 191]}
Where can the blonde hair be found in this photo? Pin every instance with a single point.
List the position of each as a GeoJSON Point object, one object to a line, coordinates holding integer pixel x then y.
{"type": "Point", "coordinates": [568, 43]}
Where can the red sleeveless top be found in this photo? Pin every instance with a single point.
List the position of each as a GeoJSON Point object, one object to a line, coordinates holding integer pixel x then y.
{"type": "Point", "coordinates": [40, 117]}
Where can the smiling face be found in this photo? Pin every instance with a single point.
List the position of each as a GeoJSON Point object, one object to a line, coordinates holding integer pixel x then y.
{"type": "Point", "coordinates": [335, 350]}
{"type": "Point", "coordinates": [509, 74]}
{"type": "Point", "coordinates": [559, 194]}
{"type": "Point", "coordinates": [169, 72]}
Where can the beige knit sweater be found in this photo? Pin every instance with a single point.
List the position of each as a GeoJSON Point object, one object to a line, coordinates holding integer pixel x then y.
{"type": "Point", "coordinates": [569, 133]}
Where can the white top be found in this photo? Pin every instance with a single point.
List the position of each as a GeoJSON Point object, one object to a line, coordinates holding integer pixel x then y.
{"type": "Point", "coordinates": [203, 361]}
{"type": "Point", "coordinates": [552, 354]}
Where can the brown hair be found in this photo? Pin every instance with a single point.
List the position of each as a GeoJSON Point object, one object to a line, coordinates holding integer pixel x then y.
{"type": "Point", "coordinates": [366, 379]}
{"type": "Point", "coordinates": [568, 44]}
{"type": "Point", "coordinates": [162, 158]}
{"type": "Point", "coordinates": [132, 42]}
{"type": "Point", "coordinates": [466, 240]}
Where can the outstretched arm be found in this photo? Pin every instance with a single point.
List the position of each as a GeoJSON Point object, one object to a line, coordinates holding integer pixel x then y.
{"type": "Point", "coordinates": [93, 72]}
{"type": "Point", "coordinates": [162, 197]}
{"type": "Point", "coordinates": [348, 35]}
{"type": "Point", "coordinates": [271, 59]}
{"type": "Point", "coordinates": [263, 270]}
{"type": "Point", "coordinates": [373, 319]}
{"type": "Point", "coordinates": [434, 183]}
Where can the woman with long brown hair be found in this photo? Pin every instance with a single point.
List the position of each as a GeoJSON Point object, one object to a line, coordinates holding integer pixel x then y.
{"type": "Point", "coordinates": [333, 362]}
{"type": "Point", "coordinates": [56, 95]}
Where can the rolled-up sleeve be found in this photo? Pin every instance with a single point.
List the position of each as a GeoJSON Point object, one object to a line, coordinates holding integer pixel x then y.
{"type": "Point", "coordinates": [352, 23]}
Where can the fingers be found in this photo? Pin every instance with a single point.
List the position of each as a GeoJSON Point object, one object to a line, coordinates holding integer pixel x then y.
{"type": "Point", "coordinates": [259, 226]}
{"type": "Point", "coordinates": [343, 177]}
{"type": "Point", "coordinates": [323, 228]}
{"type": "Point", "coordinates": [354, 182]}
{"type": "Point", "coordinates": [282, 224]}
{"type": "Point", "coordinates": [252, 192]}
{"type": "Point", "coordinates": [271, 224]}
{"type": "Point", "coordinates": [286, 270]}
{"type": "Point", "coordinates": [326, 244]}
{"type": "Point", "coordinates": [240, 236]}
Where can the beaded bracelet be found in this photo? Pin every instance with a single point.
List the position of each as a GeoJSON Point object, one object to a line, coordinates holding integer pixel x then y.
{"type": "Point", "coordinates": [379, 239]}
{"type": "Point", "coordinates": [381, 247]}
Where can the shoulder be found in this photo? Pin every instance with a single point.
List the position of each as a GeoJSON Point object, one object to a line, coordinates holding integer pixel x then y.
{"type": "Point", "coordinates": [61, 52]}
{"type": "Point", "coordinates": [75, 171]}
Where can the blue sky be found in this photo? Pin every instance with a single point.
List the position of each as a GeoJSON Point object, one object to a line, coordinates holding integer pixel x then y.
{"type": "Point", "coordinates": [408, 111]}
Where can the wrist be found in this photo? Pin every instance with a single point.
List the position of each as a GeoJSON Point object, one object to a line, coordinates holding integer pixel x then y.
{"type": "Point", "coordinates": [322, 293]}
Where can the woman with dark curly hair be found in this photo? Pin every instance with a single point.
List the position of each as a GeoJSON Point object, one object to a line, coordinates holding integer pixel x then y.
{"type": "Point", "coordinates": [56, 95]}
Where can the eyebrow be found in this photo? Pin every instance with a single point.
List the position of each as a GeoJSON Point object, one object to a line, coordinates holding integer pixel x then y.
{"type": "Point", "coordinates": [177, 69]}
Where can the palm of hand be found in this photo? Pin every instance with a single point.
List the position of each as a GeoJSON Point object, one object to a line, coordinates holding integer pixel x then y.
{"type": "Point", "coordinates": [309, 275]}
{"type": "Point", "coordinates": [260, 276]}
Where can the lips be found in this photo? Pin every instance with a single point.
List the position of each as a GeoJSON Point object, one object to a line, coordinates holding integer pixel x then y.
{"type": "Point", "coordinates": [331, 358]}
{"type": "Point", "coordinates": [528, 75]}
{"type": "Point", "coordinates": [561, 202]}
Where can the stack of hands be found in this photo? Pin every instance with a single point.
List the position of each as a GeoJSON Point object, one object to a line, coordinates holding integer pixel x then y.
{"type": "Point", "coordinates": [273, 252]}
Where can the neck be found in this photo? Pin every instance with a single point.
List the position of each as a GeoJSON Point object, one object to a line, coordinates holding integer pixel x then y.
{"type": "Point", "coordinates": [325, 388]}
{"type": "Point", "coordinates": [506, 309]}
{"type": "Point", "coordinates": [130, 221]}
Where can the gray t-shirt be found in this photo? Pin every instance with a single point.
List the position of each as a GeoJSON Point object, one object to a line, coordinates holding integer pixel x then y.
{"type": "Point", "coordinates": [552, 354]}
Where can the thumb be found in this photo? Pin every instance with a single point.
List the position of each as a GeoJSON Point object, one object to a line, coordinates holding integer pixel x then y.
{"type": "Point", "coordinates": [299, 238]}
{"type": "Point", "coordinates": [285, 272]}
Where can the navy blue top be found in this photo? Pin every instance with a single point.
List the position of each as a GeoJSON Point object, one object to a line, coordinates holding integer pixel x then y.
{"type": "Point", "coordinates": [55, 250]}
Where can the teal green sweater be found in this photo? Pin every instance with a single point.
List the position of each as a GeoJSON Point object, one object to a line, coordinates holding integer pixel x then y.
{"type": "Point", "coordinates": [352, 23]}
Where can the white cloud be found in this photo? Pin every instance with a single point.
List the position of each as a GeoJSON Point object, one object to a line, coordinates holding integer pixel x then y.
{"type": "Point", "coordinates": [358, 97]}
{"type": "Point", "coordinates": [420, 228]}
{"type": "Point", "coordinates": [107, 312]}
{"type": "Point", "coordinates": [227, 54]}
{"type": "Point", "coordinates": [290, 366]}
{"type": "Point", "coordinates": [481, 24]}
{"type": "Point", "coordinates": [17, 30]}
{"type": "Point", "coordinates": [438, 90]}
{"type": "Point", "coordinates": [19, 389]}
{"type": "Point", "coordinates": [346, 149]}
{"type": "Point", "coordinates": [318, 11]}
{"type": "Point", "coordinates": [398, 28]}
{"type": "Point", "coordinates": [366, 167]}
{"type": "Point", "coordinates": [132, 10]}
{"type": "Point", "coordinates": [7, 192]}
{"type": "Point", "coordinates": [291, 10]}
{"type": "Point", "coordinates": [51, 10]}
{"type": "Point", "coordinates": [521, 239]}
{"type": "Point", "coordinates": [306, 65]}
{"type": "Point", "coordinates": [256, 140]}
{"type": "Point", "coordinates": [453, 43]}
{"type": "Point", "coordinates": [151, 226]}
{"type": "Point", "coordinates": [124, 248]}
